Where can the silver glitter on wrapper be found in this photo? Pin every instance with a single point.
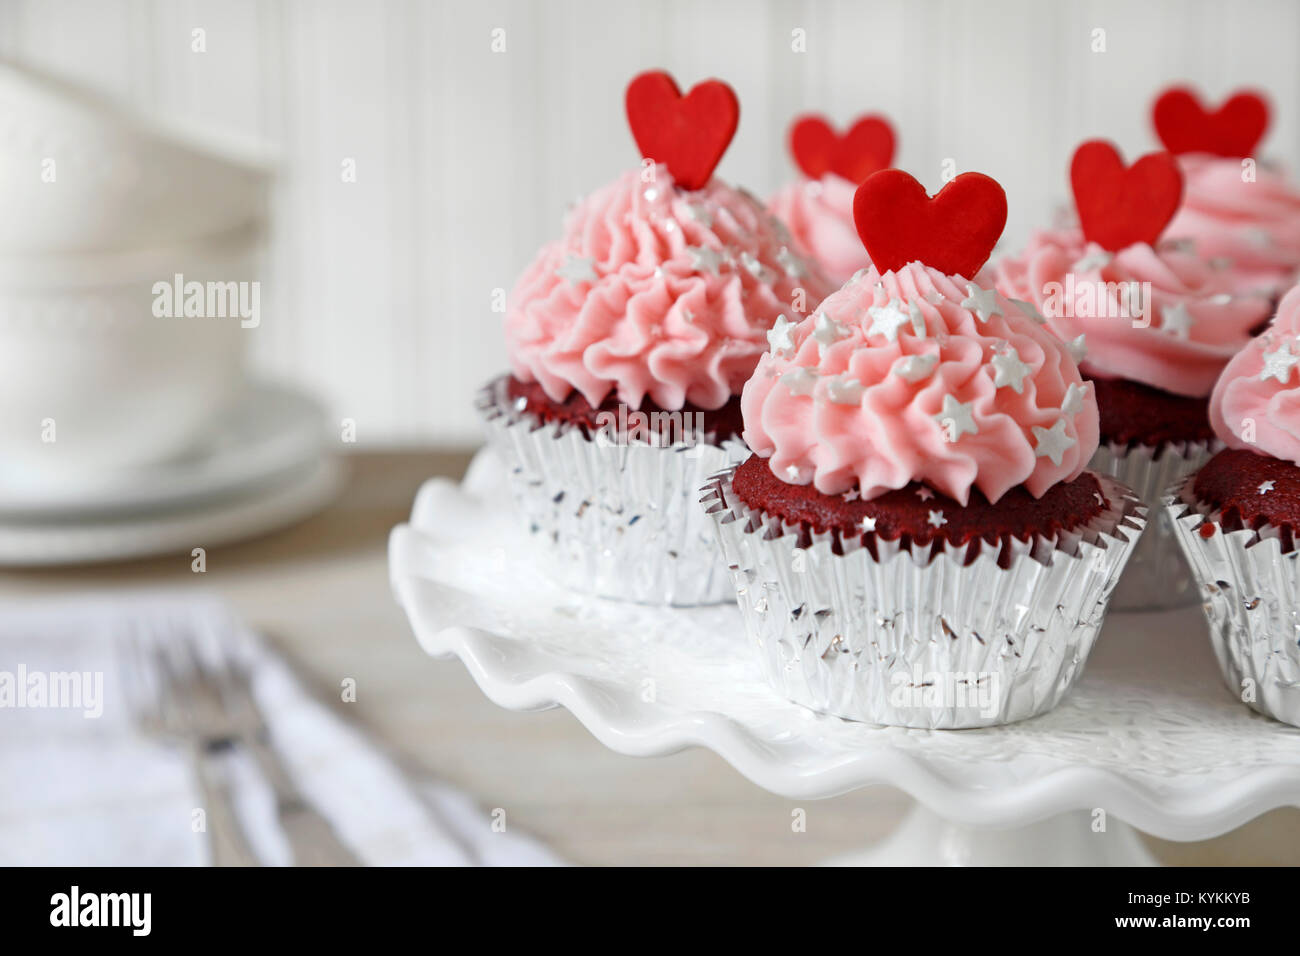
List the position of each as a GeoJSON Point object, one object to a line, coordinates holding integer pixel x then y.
{"type": "Point", "coordinates": [618, 520]}
{"type": "Point", "coordinates": [1157, 576]}
{"type": "Point", "coordinates": [1251, 592]}
{"type": "Point", "coordinates": [892, 640]}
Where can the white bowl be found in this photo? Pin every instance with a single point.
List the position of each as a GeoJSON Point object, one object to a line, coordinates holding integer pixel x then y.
{"type": "Point", "coordinates": [85, 361]}
{"type": "Point", "coordinates": [120, 179]}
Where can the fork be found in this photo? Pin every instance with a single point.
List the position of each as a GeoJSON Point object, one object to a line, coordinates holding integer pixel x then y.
{"type": "Point", "coordinates": [211, 701]}
{"type": "Point", "coordinates": [162, 709]}
{"type": "Point", "coordinates": [311, 837]}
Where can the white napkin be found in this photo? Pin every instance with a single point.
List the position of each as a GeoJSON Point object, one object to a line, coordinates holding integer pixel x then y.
{"type": "Point", "coordinates": [84, 787]}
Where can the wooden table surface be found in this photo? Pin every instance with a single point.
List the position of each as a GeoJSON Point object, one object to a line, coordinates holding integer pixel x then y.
{"type": "Point", "coordinates": [319, 591]}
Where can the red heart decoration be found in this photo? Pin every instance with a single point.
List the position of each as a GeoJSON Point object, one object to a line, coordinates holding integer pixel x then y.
{"type": "Point", "coordinates": [687, 133]}
{"type": "Point", "coordinates": [1120, 205]}
{"type": "Point", "coordinates": [817, 149]}
{"type": "Point", "coordinates": [954, 232]}
{"type": "Point", "coordinates": [1185, 126]}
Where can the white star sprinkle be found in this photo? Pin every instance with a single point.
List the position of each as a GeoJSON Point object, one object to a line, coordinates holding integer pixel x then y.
{"type": "Point", "coordinates": [918, 320]}
{"type": "Point", "coordinates": [755, 268]}
{"type": "Point", "coordinates": [577, 269]}
{"type": "Point", "coordinates": [779, 338]}
{"type": "Point", "coordinates": [851, 495]}
{"type": "Point", "coordinates": [800, 381]}
{"type": "Point", "coordinates": [705, 259]}
{"type": "Point", "coordinates": [936, 519]}
{"type": "Point", "coordinates": [1260, 238]}
{"type": "Point", "coordinates": [1052, 442]}
{"type": "Point", "coordinates": [868, 524]}
{"type": "Point", "coordinates": [983, 302]}
{"type": "Point", "coordinates": [1265, 487]}
{"type": "Point", "coordinates": [700, 213]}
{"type": "Point", "coordinates": [1278, 364]}
{"type": "Point", "coordinates": [924, 493]}
{"type": "Point", "coordinates": [960, 415]}
{"type": "Point", "coordinates": [844, 390]}
{"type": "Point", "coordinates": [827, 330]}
{"type": "Point", "coordinates": [1176, 320]}
{"type": "Point", "coordinates": [887, 319]}
{"type": "Point", "coordinates": [1096, 260]}
{"type": "Point", "coordinates": [791, 263]}
{"type": "Point", "coordinates": [1029, 309]}
{"type": "Point", "coordinates": [1009, 370]}
{"type": "Point", "coordinates": [914, 368]}
{"type": "Point", "coordinates": [1073, 402]}
{"type": "Point", "coordinates": [792, 473]}
{"type": "Point", "coordinates": [1078, 348]}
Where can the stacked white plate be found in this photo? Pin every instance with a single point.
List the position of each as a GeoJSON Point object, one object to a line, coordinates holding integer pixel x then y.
{"type": "Point", "coordinates": [113, 409]}
{"type": "Point", "coordinates": [266, 465]}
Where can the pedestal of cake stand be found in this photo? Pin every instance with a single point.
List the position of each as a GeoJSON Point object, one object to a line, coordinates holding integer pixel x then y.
{"type": "Point", "coordinates": [926, 839]}
{"type": "Point", "coordinates": [1148, 739]}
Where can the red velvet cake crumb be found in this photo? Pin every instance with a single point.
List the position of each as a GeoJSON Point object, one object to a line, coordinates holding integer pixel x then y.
{"type": "Point", "coordinates": [1251, 491]}
{"type": "Point", "coordinates": [719, 423]}
{"type": "Point", "coordinates": [1137, 414]}
{"type": "Point", "coordinates": [921, 514]}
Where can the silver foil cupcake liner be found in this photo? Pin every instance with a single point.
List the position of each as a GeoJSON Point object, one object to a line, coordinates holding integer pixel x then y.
{"type": "Point", "coordinates": [916, 637]}
{"type": "Point", "coordinates": [618, 520]}
{"type": "Point", "coordinates": [1157, 576]}
{"type": "Point", "coordinates": [1251, 592]}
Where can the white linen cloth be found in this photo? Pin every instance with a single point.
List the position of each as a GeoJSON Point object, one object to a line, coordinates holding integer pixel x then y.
{"type": "Point", "coordinates": [86, 790]}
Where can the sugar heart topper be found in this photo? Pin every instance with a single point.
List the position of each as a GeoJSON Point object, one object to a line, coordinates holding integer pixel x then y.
{"type": "Point", "coordinates": [1233, 130]}
{"type": "Point", "coordinates": [954, 232]}
{"type": "Point", "coordinates": [688, 134]}
{"type": "Point", "coordinates": [1119, 205]}
{"type": "Point", "coordinates": [866, 147]}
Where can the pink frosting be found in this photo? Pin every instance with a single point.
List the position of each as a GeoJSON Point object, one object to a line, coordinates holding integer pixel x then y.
{"type": "Point", "coordinates": [656, 291]}
{"type": "Point", "coordinates": [1252, 227]}
{"type": "Point", "coordinates": [1194, 321]}
{"type": "Point", "coordinates": [819, 214]}
{"type": "Point", "coordinates": [1256, 402]}
{"type": "Point", "coordinates": [804, 408]}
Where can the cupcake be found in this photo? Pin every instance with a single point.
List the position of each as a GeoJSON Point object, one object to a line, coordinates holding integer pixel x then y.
{"type": "Point", "coordinates": [629, 340]}
{"type": "Point", "coordinates": [915, 540]}
{"type": "Point", "coordinates": [1151, 323]}
{"type": "Point", "coordinates": [1238, 213]}
{"type": "Point", "coordinates": [1238, 520]}
{"type": "Point", "coordinates": [818, 208]}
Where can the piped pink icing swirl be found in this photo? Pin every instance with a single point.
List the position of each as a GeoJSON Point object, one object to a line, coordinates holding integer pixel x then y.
{"type": "Point", "coordinates": [1251, 226]}
{"type": "Point", "coordinates": [819, 214]}
{"type": "Point", "coordinates": [1256, 402]}
{"type": "Point", "coordinates": [1177, 339]}
{"type": "Point", "coordinates": [889, 368]}
{"type": "Point", "coordinates": [656, 291]}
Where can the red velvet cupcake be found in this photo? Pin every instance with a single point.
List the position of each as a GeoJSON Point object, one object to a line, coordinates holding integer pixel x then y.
{"type": "Point", "coordinates": [1151, 324]}
{"type": "Point", "coordinates": [915, 540]}
{"type": "Point", "coordinates": [1239, 212]}
{"type": "Point", "coordinates": [629, 340]}
{"type": "Point", "coordinates": [818, 207]}
{"type": "Point", "coordinates": [1238, 519]}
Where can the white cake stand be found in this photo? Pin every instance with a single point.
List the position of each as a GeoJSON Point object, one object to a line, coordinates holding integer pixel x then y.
{"type": "Point", "coordinates": [1149, 738]}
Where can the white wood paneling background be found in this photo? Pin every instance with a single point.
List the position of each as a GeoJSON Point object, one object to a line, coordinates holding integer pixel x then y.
{"type": "Point", "coordinates": [379, 291]}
